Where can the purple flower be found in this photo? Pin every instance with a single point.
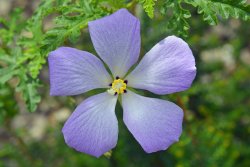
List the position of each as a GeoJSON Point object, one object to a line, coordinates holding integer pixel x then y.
{"type": "Point", "coordinates": [167, 68]}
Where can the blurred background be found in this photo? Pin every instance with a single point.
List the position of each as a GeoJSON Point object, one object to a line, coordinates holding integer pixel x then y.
{"type": "Point", "coordinates": [216, 128]}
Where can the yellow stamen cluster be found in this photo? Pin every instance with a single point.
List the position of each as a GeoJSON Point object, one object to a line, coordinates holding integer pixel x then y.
{"type": "Point", "coordinates": [118, 86]}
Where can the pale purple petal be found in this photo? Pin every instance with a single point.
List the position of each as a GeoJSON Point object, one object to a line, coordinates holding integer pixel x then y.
{"type": "Point", "coordinates": [93, 126]}
{"type": "Point", "coordinates": [74, 72]}
{"type": "Point", "coordinates": [167, 68]}
{"type": "Point", "coordinates": [116, 39]}
{"type": "Point", "coordinates": [155, 123]}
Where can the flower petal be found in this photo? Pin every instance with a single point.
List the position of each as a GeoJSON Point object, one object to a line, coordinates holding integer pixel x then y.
{"type": "Point", "coordinates": [93, 126]}
{"type": "Point", "coordinates": [167, 68]}
{"type": "Point", "coordinates": [155, 123]}
{"type": "Point", "coordinates": [116, 39]}
{"type": "Point", "coordinates": [73, 72]}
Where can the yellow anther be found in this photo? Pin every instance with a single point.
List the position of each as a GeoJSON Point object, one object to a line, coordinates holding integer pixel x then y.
{"type": "Point", "coordinates": [118, 86]}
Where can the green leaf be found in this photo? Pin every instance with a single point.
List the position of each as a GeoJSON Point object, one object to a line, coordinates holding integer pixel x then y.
{"type": "Point", "coordinates": [211, 9]}
{"type": "Point", "coordinates": [148, 6]}
{"type": "Point", "coordinates": [32, 96]}
{"type": "Point", "coordinates": [176, 22]}
{"type": "Point", "coordinates": [6, 74]}
{"type": "Point", "coordinates": [29, 91]}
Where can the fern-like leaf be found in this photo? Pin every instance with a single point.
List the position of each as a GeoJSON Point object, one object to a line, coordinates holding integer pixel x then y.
{"type": "Point", "coordinates": [211, 9]}
{"type": "Point", "coordinates": [177, 21]}
{"type": "Point", "coordinates": [148, 6]}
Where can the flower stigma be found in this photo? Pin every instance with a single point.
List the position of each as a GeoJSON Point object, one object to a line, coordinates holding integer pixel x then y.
{"type": "Point", "coordinates": [118, 86]}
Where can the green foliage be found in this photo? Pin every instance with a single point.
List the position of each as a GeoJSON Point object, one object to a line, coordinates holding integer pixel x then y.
{"type": "Point", "coordinates": [13, 60]}
{"type": "Point", "coordinates": [29, 91]}
{"type": "Point", "coordinates": [148, 6]}
{"type": "Point", "coordinates": [211, 9]}
{"type": "Point", "coordinates": [7, 103]}
{"type": "Point", "coordinates": [178, 21]}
